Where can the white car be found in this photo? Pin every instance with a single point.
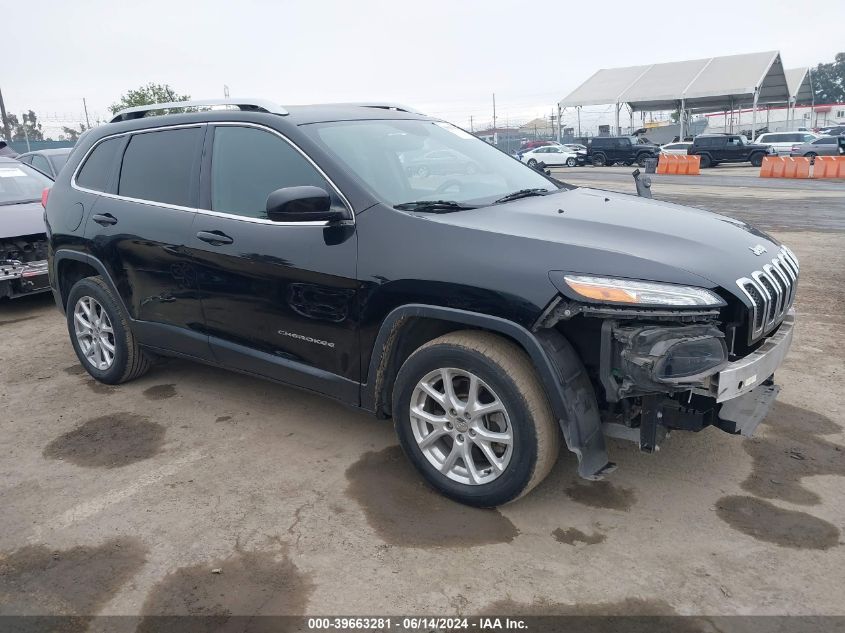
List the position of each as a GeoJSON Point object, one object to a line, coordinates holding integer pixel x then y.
{"type": "Point", "coordinates": [782, 142]}
{"type": "Point", "coordinates": [680, 147]}
{"type": "Point", "coordinates": [550, 155]}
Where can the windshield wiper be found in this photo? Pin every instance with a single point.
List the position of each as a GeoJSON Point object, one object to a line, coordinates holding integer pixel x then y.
{"type": "Point", "coordinates": [522, 193]}
{"type": "Point", "coordinates": [433, 206]}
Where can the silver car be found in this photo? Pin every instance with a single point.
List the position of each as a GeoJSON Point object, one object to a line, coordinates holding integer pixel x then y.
{"type": "Point", "coordinates": [823, 146]}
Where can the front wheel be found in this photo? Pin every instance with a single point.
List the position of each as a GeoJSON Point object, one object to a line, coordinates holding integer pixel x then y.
{"type": "Point", "coordinates": [532, 163]}
{"type": "Point", "coordinates": [100, 334]}
{"type": "Point", "coordinates": [599, 160]}
{"type": "Point", "coordinates": [472, 417]}
{"type": "Point", "coordinates": [571, 162]}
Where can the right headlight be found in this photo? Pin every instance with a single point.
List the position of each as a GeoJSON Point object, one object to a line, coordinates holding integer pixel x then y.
{"type": "Point", "coordinates": [641, 293]}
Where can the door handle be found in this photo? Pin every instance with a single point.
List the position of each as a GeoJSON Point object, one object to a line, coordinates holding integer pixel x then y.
{"type": "Point", "coordinates": [104, 219]}
{"type": "Point", "coordinates": [217, 238]}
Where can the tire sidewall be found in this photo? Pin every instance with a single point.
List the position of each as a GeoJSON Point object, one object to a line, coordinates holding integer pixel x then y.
{"type": "Point", "coordinates": [86, 287]}
{"type": "Point", "coordinates": [521, 467]}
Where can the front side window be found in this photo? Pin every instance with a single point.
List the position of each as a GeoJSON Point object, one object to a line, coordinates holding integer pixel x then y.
{"type": "Point", "coordinates": [160, 166]}
{"type": "Point", "coordinates": [99, 165]}
{"type": "Point", "coordinates": [40, 163]}
{"type": "Point", "coordinates": [389, 157]}
{"type": "Point", "coordinates": [248, 164]}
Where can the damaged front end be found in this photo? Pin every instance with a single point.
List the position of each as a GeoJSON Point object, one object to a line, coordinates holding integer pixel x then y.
{"type": "Point", "coordinates": [658, 370]}
{"type": "Point", "coordinates": [23, 266]}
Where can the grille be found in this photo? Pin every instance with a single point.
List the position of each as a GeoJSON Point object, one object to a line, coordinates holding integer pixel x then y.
{"type": "Point", "coordinates": [771, 292]}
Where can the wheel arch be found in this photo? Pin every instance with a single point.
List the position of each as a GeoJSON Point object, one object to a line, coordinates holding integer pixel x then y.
{"type": "Point", "coordinates": [408, 327]}
{"type": "Point", "coordinates": [71, 266]}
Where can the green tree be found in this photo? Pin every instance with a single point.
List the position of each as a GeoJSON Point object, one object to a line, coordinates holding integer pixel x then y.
{"type": "Point", "coordinates": [145, 95]}
{"type": "Point", "coordinates": [72, 134]}
{"type": "Point", "coordinates": [26, 127]}
{"type": "Point", "coordinates": [829, 81]}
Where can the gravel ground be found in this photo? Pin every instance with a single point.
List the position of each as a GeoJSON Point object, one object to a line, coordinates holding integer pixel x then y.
{"type": "Point", "coordinates": [122, 500]}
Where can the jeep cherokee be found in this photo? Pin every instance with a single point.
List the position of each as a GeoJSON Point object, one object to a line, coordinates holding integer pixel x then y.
{"type": "Point", "coordinates": [492, 315]}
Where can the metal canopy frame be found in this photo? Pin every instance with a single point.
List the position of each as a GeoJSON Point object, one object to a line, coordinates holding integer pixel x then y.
{"type": "Point", "coordinates": [702, 85]}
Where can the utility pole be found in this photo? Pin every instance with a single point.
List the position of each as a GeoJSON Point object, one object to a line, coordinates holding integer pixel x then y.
{"type": "Point", "coordinates": [7, 131]}
{"type": "Point", "coordinates": [471, 129]}
{"type": "Point", "coordinates": [25, 135]}
{"type": "Point", "coordinates": [225, 91]}
{"type": "Point", "coordinates": [494, 119]}
{"type": "Point", "coordinates": [85, 107]}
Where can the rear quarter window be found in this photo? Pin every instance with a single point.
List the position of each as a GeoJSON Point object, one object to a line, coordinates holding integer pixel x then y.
{"type": "Point", "coordinates": [98, 167]}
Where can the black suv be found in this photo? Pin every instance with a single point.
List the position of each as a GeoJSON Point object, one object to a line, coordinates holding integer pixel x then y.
{"type": "Point", "coordinates": [493, 315]}
{"type": "Point", "coordinates": [728, 148]}
{"type": "Point", "coordinates": [608, 150]}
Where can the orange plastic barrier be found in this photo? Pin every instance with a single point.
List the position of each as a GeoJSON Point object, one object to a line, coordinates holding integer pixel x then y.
{"type": "Point", "coordinates": [829, 167]}
{"type": "Point", "coordinates": [678, 164]}
{"type": "Point", "coordinates": [768, 166]}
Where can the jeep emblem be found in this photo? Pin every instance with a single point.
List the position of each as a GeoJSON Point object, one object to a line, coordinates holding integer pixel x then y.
{"type": "Point", "coordinates": [757, 250]}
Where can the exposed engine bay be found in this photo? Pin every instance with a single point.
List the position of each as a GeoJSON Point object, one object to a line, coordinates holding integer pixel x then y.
{"type": "Point", "coordinates": [23, 265]}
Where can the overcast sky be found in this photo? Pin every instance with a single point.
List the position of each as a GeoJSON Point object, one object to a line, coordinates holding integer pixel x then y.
{"type": "Point", "coordinates": [445, 57]}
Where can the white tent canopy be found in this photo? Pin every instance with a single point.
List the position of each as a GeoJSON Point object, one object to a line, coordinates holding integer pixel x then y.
{"type": "Point", "coordinates": [800, 87]}
{"type": "Point", "coordinates": [714, 83]}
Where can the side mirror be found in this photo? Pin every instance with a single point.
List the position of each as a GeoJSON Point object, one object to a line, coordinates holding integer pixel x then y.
{"type": "Point", "coordinates": [301, 204]}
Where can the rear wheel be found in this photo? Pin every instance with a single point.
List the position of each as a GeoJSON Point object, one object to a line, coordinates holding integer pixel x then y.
{"type": "Point", "coordinates": [810, 154]}
{"type": "Point", "coordinates": [641, 159]}
{"type": "Point", "coordinates": [705, 161]}
{"type": "Point", "coordinates": [599, 160]}
{"type": "Point", "coordinates": [757, 159]}
{"type": "Point", "coordinates": [531, 162]}
{"type": "Point", "coordinates": [473, 418]}
{"type": "Point", "coordinates": [100, 334]}
{"type": "Point", "coordinates": [571, 162]}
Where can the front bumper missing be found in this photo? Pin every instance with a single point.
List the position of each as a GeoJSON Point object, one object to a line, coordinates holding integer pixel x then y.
{"type": "Point", "coordinates": [745, 375]}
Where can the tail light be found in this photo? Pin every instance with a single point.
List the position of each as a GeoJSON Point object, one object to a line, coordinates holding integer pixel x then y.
{"type": "Point", "coordinates": [44, 195]}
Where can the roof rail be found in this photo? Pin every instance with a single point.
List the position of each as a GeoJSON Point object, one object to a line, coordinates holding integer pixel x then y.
{"type": "Point", "coordinates": [250, 105]}
{"type": "Point", "coordinates": [383, 106]}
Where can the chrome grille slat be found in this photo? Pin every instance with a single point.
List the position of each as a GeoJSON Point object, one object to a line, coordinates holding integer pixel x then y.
{"type": "Point", "coordinates": [771, 292]}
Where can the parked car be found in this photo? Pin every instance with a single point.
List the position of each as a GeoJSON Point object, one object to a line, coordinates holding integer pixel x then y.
{"type": "Point", "coordinates": [529, 145]}
{"type": "Point", "coordinates": [441, 162]}
{"type": "Point", "coordinates": [23, 239]}
{"type": "Point", "coordinates": [782, 142]}
{"type": "Point", "coordinates": [552, 155]}
{"type": "Point", "coordinates": [576, 147]}
{"type": "Point", "coordinates": [728, 148]}
{"type": "Point", "coordinates": [492, 318]}
{"type": "Point", "coordinates": [833, 130]}
{"type": "Point", "coordinates": [822, 146]}
{"type": "Point", "coordinates": [679, 147]}
{"type": "Point", "coordinates": [47, 161]}
{"type": "Point", "coordinates": [608, 150]}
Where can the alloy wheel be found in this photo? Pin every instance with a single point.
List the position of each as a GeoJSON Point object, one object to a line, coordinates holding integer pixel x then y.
{"type": "Point", "coordinates": [461, 426]}
{"type": "Point", "coordinates": [94, 333]}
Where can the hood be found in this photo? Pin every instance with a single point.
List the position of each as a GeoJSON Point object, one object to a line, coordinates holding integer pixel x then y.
{"type": "Point", "coordinates": [21, 219]}
{"type": "Point", "coordinates": [613, 234]}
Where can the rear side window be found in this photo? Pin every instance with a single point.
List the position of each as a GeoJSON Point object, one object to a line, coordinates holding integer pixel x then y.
{"type": "Point", "coordinates": [825, 141]}
{"type": "Point", "coordinates": [98, 167]}
{"type": "Point", "coordinates": [160, 166]}
{"type": "Point", "coordinates": [247, 165]}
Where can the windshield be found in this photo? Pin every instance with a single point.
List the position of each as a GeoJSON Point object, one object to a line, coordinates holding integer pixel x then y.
{"type": "Point", "coordinates": [21, 183]}
{"type": "Point", "coordinates": [410, 160]}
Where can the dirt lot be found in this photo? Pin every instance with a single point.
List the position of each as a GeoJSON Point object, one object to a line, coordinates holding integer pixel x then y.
{"type": "Point", "coordinates": [122, 500]}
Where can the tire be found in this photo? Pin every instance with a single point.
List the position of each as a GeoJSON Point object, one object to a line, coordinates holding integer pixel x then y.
{"type": "Point", "coordinates": [532, 163]}
{"type": "Point", "coordinates": [571, 162]}
{"type": "Point", "coordinates": [705, 161]}
{"type": "Point", "coordinates": [756, 159]}
{"type": "Point", "coordinates": [810, 155]}
{"type": "Point", "coordinates": [423, 171]}
{"type": "Point", "coordinates": [599, 160]}
{"type": "Point", "coordinates": [128, 360]}
{"type": "Point", "coordinates": [504, 371]}
{"type": "Point", "coordinates": [642, 158]}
